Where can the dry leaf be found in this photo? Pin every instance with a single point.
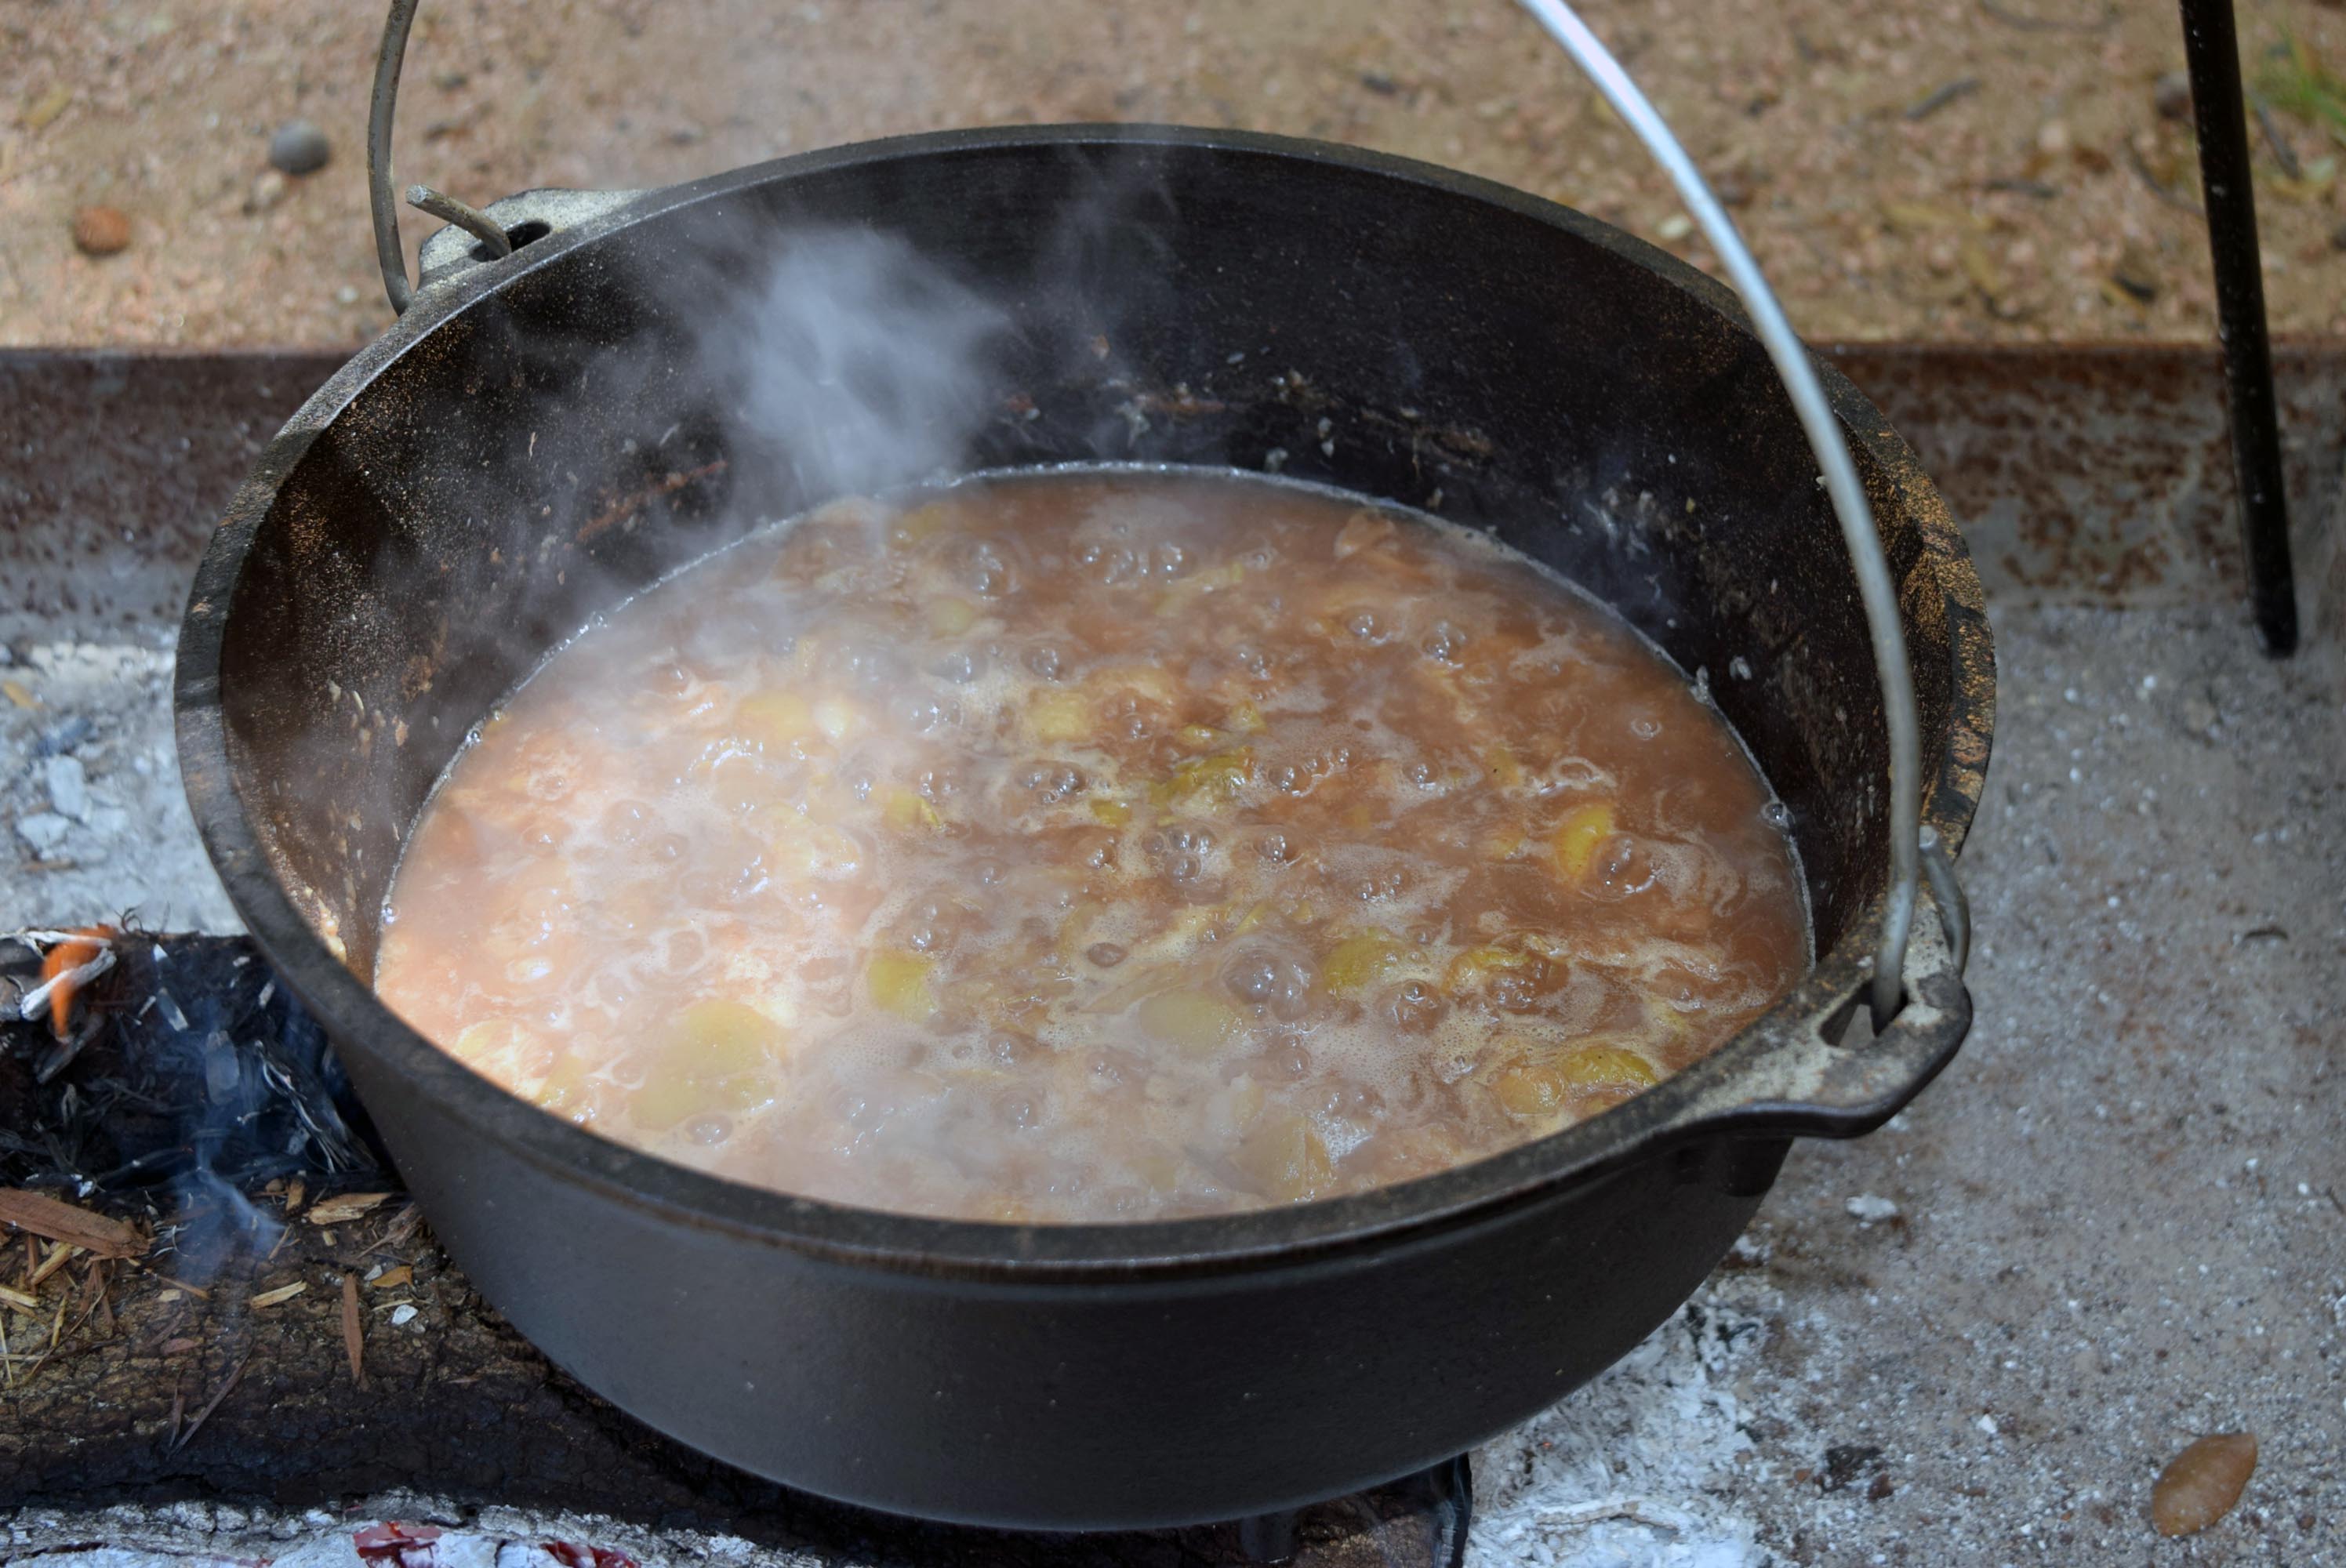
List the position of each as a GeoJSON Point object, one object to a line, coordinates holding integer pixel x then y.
{"type": "Point", "coordinates": [1916, 216]}
{"type": "Point", "coordinates": [283, 1293]}
{"type": "Point", "coordinates": [342, 1210]}
{"type": "Point", "coordinates": [48, 107]}
{"type": "Point", "coordinates": [18, 694]}
{"type": "Point", "coordinates": [59, 1221]}
{"type": "Point", "coordinates": [1981, 269]}
{"type": "Point", "coordinates": [2200, 1484]}
{"type": "Point", "coordinates": [393, 1278]}
{"type": "Point", "coordinates": [2311, 185]}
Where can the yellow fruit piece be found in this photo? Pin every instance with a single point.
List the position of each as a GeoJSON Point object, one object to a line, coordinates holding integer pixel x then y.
{"type": "Point", "coordinates": [1246, 719]}
{"type": "Point", "coordinates": [920, 523]}
{"type": "Point", "coordinates": [1530, 1090]}
{"type": "Point", "coordinates": [716, 1038]}
{"type": "Point", "coordinates": [1113, 813]}
{"type": "Point", "coordinates": [1470, 971]}
{"type": "Point", "coordinates": [1197, 735]}
{"type": "Point", "coordinates": [1358, 962]}
{"type": "Point", "coordinates": [496, 1048]}
{"type": "Point", "coordinates": [775, 718]}
{"type": "Point", "coordinates": [1195, 1023]}
{"type": "Point", "coordinates": [904, 810]}
{"type": "Point", "coordinates": [1144, 679]}
{"type": "Point", "coordinates": [835, 716]}
{"type": "Point", "coordinates": [1284, 1158]}
{"type": "Point", "coordinates": [1208, 782]}
{"type": "Point", "coordinates": [949, 617]}
{"type": "Point", "coordinates": [801, 848]}
{"type": "Point", "coordinates": [1576, 839]}
{"type": "Point", "coordinates": [898, 983]}
{"type": "Point", "coordinates": [1603, 1066]}
{"type": "Point", "coordinates": [565, 1092]}
{"type": "Point", "coordinates": [1060, 716]}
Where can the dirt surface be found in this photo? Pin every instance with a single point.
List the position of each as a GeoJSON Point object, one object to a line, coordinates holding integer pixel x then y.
{"type": "Point", "coordinates": [1986, 168]}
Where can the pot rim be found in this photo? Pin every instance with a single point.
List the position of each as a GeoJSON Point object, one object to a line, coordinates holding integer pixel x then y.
{"type": "Point", "coordinates": [1688, 1106]}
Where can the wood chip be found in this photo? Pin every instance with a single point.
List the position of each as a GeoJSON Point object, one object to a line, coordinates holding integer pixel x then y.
{"type": "Point", "coordinates": [59, 1221]}
{"type": "Point", "coordinates": [353, 1340]}
{"type": "Point", "coordinates": [283, 1293]}
{"type": "Point", "coordinates": [294, 1193]}
{"type": "Point", "coordinates": [2200, 1484]}
{"type": "Point", "coordinates": [19, 1299]}
{"type": "Point", "coordinates": [345, 1208]}
{"type": "Point", "coordinates": [18, 695]}
{"type": "Point", "coordinates": [393, 1278]}
{"type": "Point", "coordinates": [60, 1254]}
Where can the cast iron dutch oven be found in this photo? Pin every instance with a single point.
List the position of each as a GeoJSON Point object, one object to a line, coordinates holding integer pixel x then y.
{"type": "Point", "coordinates": [530, 443]}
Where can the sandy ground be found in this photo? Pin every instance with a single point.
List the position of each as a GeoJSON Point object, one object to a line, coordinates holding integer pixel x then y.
{"type": "Point", "coordinates": [2043, 195]}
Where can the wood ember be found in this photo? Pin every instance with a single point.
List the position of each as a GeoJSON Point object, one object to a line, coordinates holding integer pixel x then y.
{"type": "Point", "coordinates": [2200, 1484]}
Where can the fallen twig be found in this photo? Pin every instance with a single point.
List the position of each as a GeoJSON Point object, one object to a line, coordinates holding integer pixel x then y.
{"type": "Point", "coordinates": [1924, 107]}
{"type": "Point", "coordinates": [202, 1415]}
{"type": "Point", "coordinates": [2142, 169]}
{"type": "Point", "coordinates": [2109, 16]}
{"type": "Point", "coordinates": [353, 1338]}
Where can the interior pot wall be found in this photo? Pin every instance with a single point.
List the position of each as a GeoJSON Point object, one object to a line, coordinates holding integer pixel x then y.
{"type": "Point", "coordinates": [557, 444]}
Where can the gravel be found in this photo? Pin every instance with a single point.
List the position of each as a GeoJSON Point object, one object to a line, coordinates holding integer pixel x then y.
{"type": "Point", "coordinates": [297, 146]}
{"type": "Point", "coordinates": [1874, 225]}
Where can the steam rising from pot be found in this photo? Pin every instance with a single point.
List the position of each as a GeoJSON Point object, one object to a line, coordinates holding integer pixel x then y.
{"type": "Point", "coordinates": [854, 365]}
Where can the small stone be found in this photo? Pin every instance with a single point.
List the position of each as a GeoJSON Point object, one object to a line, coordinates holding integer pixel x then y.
{"type": "Point", "coordinates": [1987, 1424]}
{"type": "Point", "coordinates": [1676, 227]}
{"type": "Point", "coordinates": [69, 786]}
{"type": "Point", "coordinates": [1871, 1209]}
{"type": "Point", "coordinates": [2200, 1484]}
{"type": "Point", "coordinates": [402, 1315]}
{"type": "Point", "coordinates": [101, 231]}
{"type": "Point", "coordinates": [2054, 139]}
{"type": "Point", "coordinates": [268, 189]}
{"type": "Point", "coordinates": [297, 146]}
{"type": "Point", "coordinates": [2171, 96]}
{"type": "Point", "coordinates": [44, 833]}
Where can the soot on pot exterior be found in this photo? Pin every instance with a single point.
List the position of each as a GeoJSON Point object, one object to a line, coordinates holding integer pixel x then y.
{"type": "Point", "coordinates": [527, 445]}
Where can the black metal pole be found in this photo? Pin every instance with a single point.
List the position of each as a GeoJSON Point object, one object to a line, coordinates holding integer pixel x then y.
{"type": "Point", "coordinates": [2213, 50]}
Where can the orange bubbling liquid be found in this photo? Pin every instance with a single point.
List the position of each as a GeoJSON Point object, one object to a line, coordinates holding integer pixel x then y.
{"type": "Point", "coordinates": [1094, 847]}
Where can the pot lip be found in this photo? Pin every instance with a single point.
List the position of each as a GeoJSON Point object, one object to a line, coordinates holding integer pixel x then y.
{"type": "Point", "coordinates": [1014, 1253]}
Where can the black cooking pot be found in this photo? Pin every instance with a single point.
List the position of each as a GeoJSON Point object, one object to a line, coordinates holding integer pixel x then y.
{"type": "Point", "coordinates": [531, 442]}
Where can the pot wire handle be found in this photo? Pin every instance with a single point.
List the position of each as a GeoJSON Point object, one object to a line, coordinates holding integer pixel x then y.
{"type": "Point", "coordinates": [383, 108]}
{"type": "Point", "coordinates": [1909, 845]}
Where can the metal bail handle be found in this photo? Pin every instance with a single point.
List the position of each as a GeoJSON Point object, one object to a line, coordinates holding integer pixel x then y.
{"type": "Point", "coordinates": [1910, 843]}
{"type": "Point", "coordinates": [383, 108]}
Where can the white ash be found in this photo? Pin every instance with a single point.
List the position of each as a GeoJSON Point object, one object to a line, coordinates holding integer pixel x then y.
{"type": "Point", "coordinates": [1869, 1208]}
{"type": "Point", "coordinates": [1630, 1472]}
{"type": "Point", "coordinates": [98, 825]}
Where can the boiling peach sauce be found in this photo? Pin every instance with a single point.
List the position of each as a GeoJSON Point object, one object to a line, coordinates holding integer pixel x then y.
{"type": "Point", "coordinates": [1094, 847]}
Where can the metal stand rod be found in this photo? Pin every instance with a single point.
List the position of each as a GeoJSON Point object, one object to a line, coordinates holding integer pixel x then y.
{"type": "Point", "coordinates": [2213, 50]}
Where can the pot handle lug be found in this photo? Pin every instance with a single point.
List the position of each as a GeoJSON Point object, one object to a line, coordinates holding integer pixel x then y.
{"type": "Point", "coordinates": [474, 237]}
{"type": "Point", "coordinates": [1809, 1078]}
